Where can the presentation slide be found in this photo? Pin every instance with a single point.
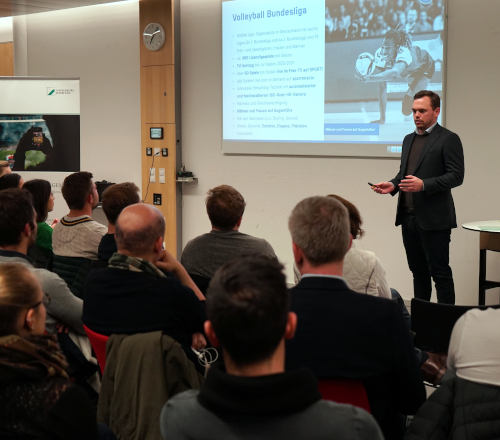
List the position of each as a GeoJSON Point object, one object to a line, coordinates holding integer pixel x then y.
{"type": "Point", "coordinates": [329, 77]}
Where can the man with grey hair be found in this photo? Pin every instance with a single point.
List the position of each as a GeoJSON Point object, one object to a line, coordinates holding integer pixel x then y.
{"type": "Point", "coordinates": [344, 334]}
{"type": "Point", "coordinates": [132, 295]}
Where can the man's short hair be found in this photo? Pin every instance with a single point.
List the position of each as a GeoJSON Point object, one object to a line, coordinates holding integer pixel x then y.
{"type": "Point", "coordinates": [9, 181]}
{"type": "Point", "coordinates": [434, 97]}
{"type": "Point", "coordinates": [141, 240]}
{"type": "Point", "coordinates": [16, 211]}
{"type": "Point", "coordinates": [76, 187]}
{"type": "Point", "coordinates": [320, 228]}
{"type": "Point", "coordinates": [225, 206]}
{"type": "Point", "coordinates": [117, 197]}
{"type": "Point", "coordinates": [248, 304]}
{"type": "Point", "coordinates": [4, 164]}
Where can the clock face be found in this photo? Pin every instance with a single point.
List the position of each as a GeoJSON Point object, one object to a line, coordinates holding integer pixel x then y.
{"type": "Point", "coordinates": [154, 36]}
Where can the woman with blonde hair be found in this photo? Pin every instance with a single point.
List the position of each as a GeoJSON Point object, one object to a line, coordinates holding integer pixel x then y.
{"type": "Point", "coordinates": [38, 400]}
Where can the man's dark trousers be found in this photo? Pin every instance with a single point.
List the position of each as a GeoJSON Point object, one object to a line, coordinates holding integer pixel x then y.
{"type": "Point", "coordinates": [428, 256]}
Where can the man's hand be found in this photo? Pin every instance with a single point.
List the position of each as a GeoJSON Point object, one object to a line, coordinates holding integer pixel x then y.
{"type": "Point", "coordinates": [198, 341]}
{"type": "Point", "coordinates": [168, 262]}
{"type": "Point", "coordinates": [411, 184]}
{"type": "Point", "coordinates": [383, 187]}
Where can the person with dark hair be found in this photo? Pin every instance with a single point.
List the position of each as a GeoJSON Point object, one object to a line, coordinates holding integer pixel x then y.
{"type": "Point", "coordinates": [38, 399]}
{"type": "Point", "coordinates": [19, 231]}
{"type": "Point", "coordinates": [132, 295]}
{"type": "Point", "coordinates": [43, 202]}
{"type": "Point", "coordinates": [398, 57]}
{"type": "Point", "coordinates": [342, 334]}
{"type": "Point", "coordinates": [203, 255]}
{"type": "Point", "coordinates": [114, 200]}
{"type": "Point", "coordinates": [11, 180]}
{"type": "Point", "coordinates": [77, 235]}
{"type": "Point", "coordinates": [250, 395]}
{"type": "Point", "coordinates": [432, 163]}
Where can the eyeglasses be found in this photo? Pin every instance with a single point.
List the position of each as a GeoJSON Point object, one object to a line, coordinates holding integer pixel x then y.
{"type": "Point", "coordinates": [45, 300]}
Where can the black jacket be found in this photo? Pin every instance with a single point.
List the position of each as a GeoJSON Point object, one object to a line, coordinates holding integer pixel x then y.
{"type": "Point", "coordinates": [441, 168]}
{"type": "Point", "coordinates": [458, 410]}
{"type": "Point", "coordinates": [344, 334]}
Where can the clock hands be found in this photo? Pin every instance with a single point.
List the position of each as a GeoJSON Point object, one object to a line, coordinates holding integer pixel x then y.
{"type": "Point", "coordinates": [153, 35]}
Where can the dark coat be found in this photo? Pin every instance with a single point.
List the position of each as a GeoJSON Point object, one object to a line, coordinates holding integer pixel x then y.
{"type": "Point", "coordinates": [441, 168]}
{"type": "Point", "coordinates": [458, 410]}
{"type": "Point", "coordinates": [344, 334]}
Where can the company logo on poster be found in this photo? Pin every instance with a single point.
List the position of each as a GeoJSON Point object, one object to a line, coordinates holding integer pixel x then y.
{"type": "Point", "coordinates": [52, 91]}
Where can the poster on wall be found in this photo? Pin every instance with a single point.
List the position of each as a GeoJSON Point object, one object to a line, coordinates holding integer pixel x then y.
{"type": "Point", "coordinates": [40, 124]}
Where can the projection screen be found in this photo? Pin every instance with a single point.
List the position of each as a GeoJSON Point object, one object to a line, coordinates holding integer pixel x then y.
{"type": "Point", "coordinates": [329, 77]}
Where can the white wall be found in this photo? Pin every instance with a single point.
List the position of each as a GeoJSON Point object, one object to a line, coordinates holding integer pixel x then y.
{"type": "Point", "coordinates": [273, 185]}
{"type": "Point", "coordinates": [99, 45]}
{"type": "Point", "coordinates": [6, 35]}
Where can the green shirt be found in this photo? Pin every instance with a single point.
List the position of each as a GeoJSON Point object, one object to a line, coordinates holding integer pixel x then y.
{"type": "Point", "coordinates": [44, 237]}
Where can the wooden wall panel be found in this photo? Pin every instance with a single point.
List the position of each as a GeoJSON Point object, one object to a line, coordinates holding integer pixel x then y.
{"type": "Point", "coordinates": [6, 59]}
{"type": "Point", "coordinates": [158, 94]}
{"type": "Point", "coordinates": [167, 189]}
{"type": "Point", "coordinates": [158, 11]}
{"type": "Point", "coordinates": [158, 109]}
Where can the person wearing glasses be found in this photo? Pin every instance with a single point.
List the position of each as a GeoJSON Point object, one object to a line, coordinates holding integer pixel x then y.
{"type": "Point", "coordinates": [38, 399]}
{"type": "Point", "coordinates": [19, 231]}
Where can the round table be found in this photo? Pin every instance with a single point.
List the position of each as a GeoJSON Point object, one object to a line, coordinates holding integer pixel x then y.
{"type": "Point", "coordinates": [489, 240]}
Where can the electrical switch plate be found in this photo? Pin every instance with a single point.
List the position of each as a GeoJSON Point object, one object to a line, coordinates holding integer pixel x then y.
{"type": "Point", "coordinates": [152, 175]}
{"type": "Point", "coordinates": [164, 152]}
{"type": "Point", "coordinates": [156, 199]}
{"type": "Point", "coordinates": [149, 151]}
{"type": "Point", "coordinates": [157, 151]}
{"type": "Point", "coordinates": [161, 172]}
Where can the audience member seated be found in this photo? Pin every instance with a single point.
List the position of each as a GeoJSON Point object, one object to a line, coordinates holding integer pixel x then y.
{"type": "Point", "coordinates": [11, 180]}
{"type": "Point", "coordinates": [203, 255]}
{"type": "Point", "coordinates": [19, 232]}
{"type": "Point", "coordinates": [467, 405]}
{"type": "Point", "coordinates": [132, 295]}
{"type": "Point", "coordinates": [4, 168]}
{"type": "Point", "coordinates": [251, 396]}
{"type": "Point", "coordinates": [77, 235]}
{"type": "Point", "coordinates": [362, 271]}
{"type": "Point", "coordinates": [43, 202]}
{"type": "Point", "coordinates": [114, 199]}
{"type": "Point", "coordinates": [343, 334]}
{"type": "Point", "coordinates": [38, 401]}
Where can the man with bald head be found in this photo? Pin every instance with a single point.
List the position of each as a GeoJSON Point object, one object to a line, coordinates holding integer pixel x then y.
{"type": "Point", "coordinates": [132, 295]}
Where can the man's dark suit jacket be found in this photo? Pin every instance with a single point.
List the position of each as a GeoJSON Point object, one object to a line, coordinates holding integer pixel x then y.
{"type": "Point", "coordinates": [344, 334]}
{"type": "Point", "coordinates": [441, 168]}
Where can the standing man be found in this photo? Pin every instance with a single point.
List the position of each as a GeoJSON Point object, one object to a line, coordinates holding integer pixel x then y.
{"type": "Point", "coordinates": [432, 163]}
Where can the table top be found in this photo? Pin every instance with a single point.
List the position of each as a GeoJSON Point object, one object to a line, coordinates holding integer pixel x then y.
{"type": "Point", "coordinates": [483, 226]}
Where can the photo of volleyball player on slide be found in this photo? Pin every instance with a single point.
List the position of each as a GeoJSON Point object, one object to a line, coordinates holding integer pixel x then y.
{"type": "Point", "coordinates": [398, 57]}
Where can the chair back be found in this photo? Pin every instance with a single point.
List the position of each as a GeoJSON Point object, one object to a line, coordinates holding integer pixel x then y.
{"type": "Point", "coordinates": [433, 323]}
{"type": "Point", "coordinates": [348, 391]}
{"type": "Point", "coordinates": [98, 343]}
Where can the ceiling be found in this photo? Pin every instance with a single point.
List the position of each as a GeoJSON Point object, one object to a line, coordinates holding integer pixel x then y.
{"type": "Point", "coordinates": [9, 8]}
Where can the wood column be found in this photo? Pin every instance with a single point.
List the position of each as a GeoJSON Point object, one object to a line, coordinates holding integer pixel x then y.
{"type": "Point", "coordinates": [160, 107]}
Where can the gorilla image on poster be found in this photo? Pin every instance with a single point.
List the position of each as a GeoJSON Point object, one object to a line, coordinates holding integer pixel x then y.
{"type": "Point", "coordinates": [40, 142]}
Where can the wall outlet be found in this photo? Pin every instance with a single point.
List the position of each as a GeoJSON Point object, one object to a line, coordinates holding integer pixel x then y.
{"type": "Point", "coordinates": [157, 151]}
{"type": "Point", "coordinates": [149, 151]}
{"type": "Point", "coordinates": [161, 172]}
{"type": "Point", "coordinates": [156, 199]}
{"type": "Point", "coordinates": [164, 152]}
{"type": "Point", "coordinates": [152, 175]}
